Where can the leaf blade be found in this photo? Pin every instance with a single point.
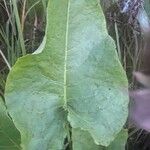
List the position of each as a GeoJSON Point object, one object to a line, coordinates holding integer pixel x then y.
{"type": "Point", "coordinates": [43, 88]}
{"type": "Point", "coordinates": [9, 135]}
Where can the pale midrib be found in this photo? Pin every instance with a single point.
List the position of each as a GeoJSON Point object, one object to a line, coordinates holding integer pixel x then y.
{"type": "Point", "coordinates": [66, 54]}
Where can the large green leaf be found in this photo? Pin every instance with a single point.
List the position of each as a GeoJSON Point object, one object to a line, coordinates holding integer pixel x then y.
{"type": "Point", "coordinates": [77, 79]}
{"type": "Point", "coordinates": [9, 136]}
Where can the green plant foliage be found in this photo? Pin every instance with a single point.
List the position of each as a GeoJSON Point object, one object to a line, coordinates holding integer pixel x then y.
{"type": "Point", "coordinates": [119, 142]}
{"type": "Point", "coordinates": [9, 135]}
{"type": "Point", "coordinates": [76, 79]}
{"type": "Point", "coordinates": [147, 6]}
{"type": "Point", "coordinates": [81, 138]}
{"type": "Point", "coordinates": [39, 7]}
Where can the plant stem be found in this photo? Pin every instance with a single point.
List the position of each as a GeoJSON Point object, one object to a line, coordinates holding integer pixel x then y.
{"type": "Point", "coordinates": [117, 40]}
{"type": "Point", "coordinates": [21, 38]}
{"type": "Point", "coordinates": [7, 63]}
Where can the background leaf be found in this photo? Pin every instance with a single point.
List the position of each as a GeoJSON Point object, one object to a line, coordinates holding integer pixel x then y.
{"type": "Point", "coordinates": [83, 141]}
{"type": "Point", "coordinates": [147, 6]}
{"type": "Point", "coordinates": [119, 142]}
{"type": "Point", "coordinates": [9, 135]}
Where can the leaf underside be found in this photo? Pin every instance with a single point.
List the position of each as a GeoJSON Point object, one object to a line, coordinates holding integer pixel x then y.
{"type": "Point", "coordinates": [77, 78]}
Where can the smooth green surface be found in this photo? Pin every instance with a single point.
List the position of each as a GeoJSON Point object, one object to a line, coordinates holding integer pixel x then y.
{"type": "Point", "coordinates": [9, 136]}
{"type": "Point", "coordinates": [119, 142]}
{"type": "Point", "coordinates": [76, 78]}
{"type": "Point", "coordinates": [83, 141]}
{"type": "Point", "coordinates": [147, 6]}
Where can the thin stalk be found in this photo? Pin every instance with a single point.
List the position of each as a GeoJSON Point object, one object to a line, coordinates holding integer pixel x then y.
{"type": "Point", "coordinates": [23, 15]}
{"type": "Point", "coordinates": [7, 63]}
{"type": "Point", "coordinates": [19, 27]}
{"type": "Point", "coordinates": [9, 16]}
{"type": "Point", "coordinates": [117, 40]}
{"type": "Point", "coordinates": [31, 8]}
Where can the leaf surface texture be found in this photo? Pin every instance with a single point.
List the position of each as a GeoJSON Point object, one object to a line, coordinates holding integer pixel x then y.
{"type": "Point", "coordinates": [76, 79]}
